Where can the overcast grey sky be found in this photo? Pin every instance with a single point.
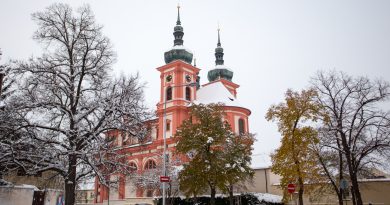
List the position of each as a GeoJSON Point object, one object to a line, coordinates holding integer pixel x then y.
{"type": "Point", "coordinates": [270, 45]}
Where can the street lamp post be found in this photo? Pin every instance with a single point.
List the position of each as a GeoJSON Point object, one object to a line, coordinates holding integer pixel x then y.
{"type": "Point", "coordinates": [165, 134]}
{"type": "Point", "coordinates": [344, 189]}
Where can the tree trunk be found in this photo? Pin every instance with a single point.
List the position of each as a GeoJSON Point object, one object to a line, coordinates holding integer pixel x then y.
{"type": "Point", "coordinates": [212, 196]}
{"type": "Point", "coordinates": [353, 196]}
{"type": "Point", "coordinates": [355, 189]}
{"type": "Point", "coordinates": [70, 181]}
{"type": "Point", "coordinates": [301, 190]}
{"type": "Point", "coordinates": [231, 197]}
{"type": "Point", "coordinates": [340, 197]}
{"type": "Point", "coordinates": [341, 173]}
{"type": "Point", "coordinates": [356, 196]}
{"type": "Point", "coordinates": [336, 188]}
{"type": "Point", "coordinates": [195, 199]}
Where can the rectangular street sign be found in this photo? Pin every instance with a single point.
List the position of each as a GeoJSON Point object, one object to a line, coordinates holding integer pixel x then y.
{"type": "Point", "coordinates": [164, 179]}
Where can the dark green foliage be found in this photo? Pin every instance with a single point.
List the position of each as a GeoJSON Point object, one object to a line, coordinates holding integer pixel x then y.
{"type": "Point", "coordinates": [198, 200]}
{"type": "Point", "coordinates": [246, 199]}
{"type": "Point", "coordinates": [219, 157]}
{"type": "Point", "coordinates": [204, 135]}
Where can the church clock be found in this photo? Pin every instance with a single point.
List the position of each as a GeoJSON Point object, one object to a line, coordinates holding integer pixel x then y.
{"type": "Point", "coordinates": [188, 78]}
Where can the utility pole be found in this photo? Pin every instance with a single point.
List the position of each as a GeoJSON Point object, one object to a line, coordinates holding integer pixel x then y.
{"type": "Point", "coordinates": [165, 139]}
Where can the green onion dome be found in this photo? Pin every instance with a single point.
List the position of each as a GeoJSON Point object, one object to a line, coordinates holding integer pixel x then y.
{"type": "Point", "coordinates": [178, 51]}
{"type": "Point", "coordinates": [220, 70]}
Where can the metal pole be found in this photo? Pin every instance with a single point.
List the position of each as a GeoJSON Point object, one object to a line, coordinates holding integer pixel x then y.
{"type": "Point", "coordinates": [165, 143]}
{"type": "Point", "coordinates": [165, 134]}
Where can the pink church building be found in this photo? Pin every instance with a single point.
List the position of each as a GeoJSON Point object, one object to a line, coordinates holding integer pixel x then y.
{"type": "Point", "coordinates": [179, 88]}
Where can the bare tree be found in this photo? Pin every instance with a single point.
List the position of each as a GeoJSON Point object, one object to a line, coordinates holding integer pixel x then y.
{"type": "Point", "coordinates": [149, 179]}
{"type": "Point", "coordinates": [355, 123]}
{"type": "Point", "coordinates": [8, 120]}
{"type": "Point", "coordinates": [331, 160]}
{"type": "Point", "coordinates": [69, 101]}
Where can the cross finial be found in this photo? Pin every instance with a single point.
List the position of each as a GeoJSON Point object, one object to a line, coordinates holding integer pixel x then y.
{"type": "Point", "coordinates": [178, 14]}
{"type": "Point", "coordinates": [219, 40]}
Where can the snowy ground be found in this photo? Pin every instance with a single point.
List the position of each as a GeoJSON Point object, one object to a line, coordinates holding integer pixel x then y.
{"type": "Point", "coordinates": [268, 197]}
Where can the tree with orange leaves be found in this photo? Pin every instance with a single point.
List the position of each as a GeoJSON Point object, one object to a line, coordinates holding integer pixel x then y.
{"type": "Point", "coordinates": [294, 160]}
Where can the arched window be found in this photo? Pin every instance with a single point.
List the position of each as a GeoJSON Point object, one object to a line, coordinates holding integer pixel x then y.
{"type": "Point", "coordinates": [149, 193]}
{"type": "Point", "coordinates": [188, 93]}
{"type": "Point", "coordinates": [168, 125]}
{"type": "Point", "coordinates": [169, 93]}
{"type": "Point", "coordinates": [241, 126]}
{"type": "Point", "coordinates": [150, 165]}
{"type": "Point", "coordinates": [133, 166]}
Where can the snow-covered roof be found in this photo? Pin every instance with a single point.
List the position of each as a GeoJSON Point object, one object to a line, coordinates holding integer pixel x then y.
{"type": "Point", "coordinates": [215, 93]}
{"type": "Point", "coordinates": [359, 180]}
{"type": "Point", "coordinates": [179, 47]}
{"type": "Point", "coordinates": [222, 67]}
{"type": "Point", "coordinates": [375, 180]}
{"type": "Point", "coordinates": [28, 186]}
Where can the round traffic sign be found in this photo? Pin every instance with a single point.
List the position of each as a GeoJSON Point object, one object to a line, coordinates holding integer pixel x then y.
{"type": "Point", "coordinates": [291, 188]}
{"type": "Point", "coordinates": [344, 184]}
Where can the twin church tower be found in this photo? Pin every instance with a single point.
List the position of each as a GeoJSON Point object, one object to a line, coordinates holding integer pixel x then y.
{"type": "Point", "coordinates": [179, 52]}
{"type": "Point", "coordinates": [176, 93]}
{"type": "Point", "coordinates": [179, 88]}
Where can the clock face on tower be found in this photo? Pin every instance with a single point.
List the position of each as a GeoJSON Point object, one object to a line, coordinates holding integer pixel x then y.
{"type": "Point", "coordinates": [168, 78]}
{"type": "Point", "coordinates": [188, 78]}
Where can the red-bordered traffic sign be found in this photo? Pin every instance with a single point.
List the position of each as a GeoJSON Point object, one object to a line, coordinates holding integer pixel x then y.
{"type": "Point", "coordinates": [291, 188]}
{"type": "Point", "coordinates": [164, 179]}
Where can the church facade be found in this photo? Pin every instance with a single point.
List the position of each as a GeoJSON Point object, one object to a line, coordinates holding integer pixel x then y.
{"type": "Point", "coordinates": [179, 88]}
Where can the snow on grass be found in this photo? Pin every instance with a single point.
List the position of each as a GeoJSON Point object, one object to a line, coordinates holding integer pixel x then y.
{"type": "Point", "coordinates": [268, 197]}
